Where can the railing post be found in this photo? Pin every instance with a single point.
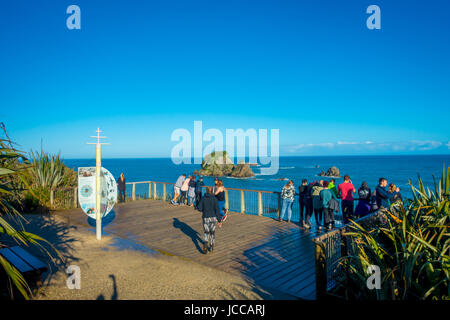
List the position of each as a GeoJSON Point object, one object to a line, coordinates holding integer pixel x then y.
{"type": "Point", "coordinates": [260, 205]}
{"type": "Point", "coordinates": [321, 270]}
{"type": "Point", "coordinates": [149, 190]}
{"type": "Point", "coordinates": [164, 192]}
{"type": "Point", "coordinates": [75, 197]}
{"type": "Point", "coordinates": [154, 191]}
{"type": "Point", "coordinates": [242, 202]}
{"type": "Point", "coordinates": [227, 205]}
{"type": "Point", "coordinates": [279, 204]}
{"type": "Point", "coordinates": [133, 195]}
{"type": "Point", "coordinates": [52, 198]}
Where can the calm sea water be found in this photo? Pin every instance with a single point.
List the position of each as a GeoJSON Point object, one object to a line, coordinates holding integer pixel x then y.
{"type": "Point", "coordinates": [397, 169]}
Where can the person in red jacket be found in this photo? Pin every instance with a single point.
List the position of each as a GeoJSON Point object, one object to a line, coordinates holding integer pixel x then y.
{"type": "Point", "coordinates": [346, 190]}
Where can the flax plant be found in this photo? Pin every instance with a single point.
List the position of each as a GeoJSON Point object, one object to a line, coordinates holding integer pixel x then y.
{"type": "Point", "coordinates": [410, 246]}
{"type": "Point", "coordinates": [13, 181]}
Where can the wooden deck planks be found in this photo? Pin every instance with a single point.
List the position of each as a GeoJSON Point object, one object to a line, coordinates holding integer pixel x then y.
{"type": "Point", "coordinates": [270, 253]}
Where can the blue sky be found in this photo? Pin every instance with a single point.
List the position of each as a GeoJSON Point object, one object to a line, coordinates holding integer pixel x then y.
{"type": "Point", "coordinates": [141, 69]}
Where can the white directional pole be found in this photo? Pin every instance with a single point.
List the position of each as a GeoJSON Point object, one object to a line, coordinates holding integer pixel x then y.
{"type": "Point", "coordinates": [98, 188]}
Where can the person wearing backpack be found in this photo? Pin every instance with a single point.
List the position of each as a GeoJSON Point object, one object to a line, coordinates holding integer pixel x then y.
{"type": "Point", "coordinates": [317, 203]}
{"type": "Point", "coordinates": [198, 191]}
{"type": "Point", "coordinates": [209, 206]}
{"type": "Point", "coordinates": [364, 207]}
{"type": "Point", "coordinates": [326, 195]}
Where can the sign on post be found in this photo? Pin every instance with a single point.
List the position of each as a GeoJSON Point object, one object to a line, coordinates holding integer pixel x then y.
{"type": "Point", "coordinates": [87, 191]}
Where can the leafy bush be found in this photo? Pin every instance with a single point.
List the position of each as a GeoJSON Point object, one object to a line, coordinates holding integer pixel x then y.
{"type": "Point", "coordinates": [46, 172]}
{"type": "Point", "coordinates": [13, 179]}
{"type": "Point", "coordinates": [50, 172]}
{"type": "Point", "coordinates": [411, 248]}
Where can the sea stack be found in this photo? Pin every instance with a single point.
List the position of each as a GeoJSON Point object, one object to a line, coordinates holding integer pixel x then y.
{"type": "Point", "coordinates": [333, 172]}
{"type": "Point", "coordinates": [218, 164]}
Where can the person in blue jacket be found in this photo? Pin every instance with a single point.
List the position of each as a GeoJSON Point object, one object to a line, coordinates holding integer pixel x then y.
{"type": "Point", "coordinates": [326, 195]}
{"type": "Point", "coordinates": [382, 196]}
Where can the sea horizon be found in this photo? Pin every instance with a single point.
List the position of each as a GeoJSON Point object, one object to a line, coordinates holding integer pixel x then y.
{"type": "Point", "coordinates": [398, 169]}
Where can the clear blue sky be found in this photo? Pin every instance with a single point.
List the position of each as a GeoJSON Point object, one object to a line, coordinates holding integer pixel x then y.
{"type": "Point", "coordinates": [141, 69]}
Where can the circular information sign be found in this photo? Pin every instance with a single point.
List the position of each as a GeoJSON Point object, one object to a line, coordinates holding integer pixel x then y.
{"type": "Point", "coordinates": [87, 191]}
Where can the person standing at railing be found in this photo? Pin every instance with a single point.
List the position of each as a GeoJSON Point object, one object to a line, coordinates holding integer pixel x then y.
{"type": "Point", "coordinates": [364, 195]}
{"type": "Point", "coordinates": [302, 201]}
{"type": "Point", "coordinates": [177, 188]}
{"type": "Point", "coordinates": [383, 196]}
{"type": "Point", "coordinates": [214, 188]}
{"type": "Point", "coordinates": [121, 185]}
{"type": "Point", "coordinates": [191, 191]}
{"type": "Point", "coordinates": [184, 190]}
{"type": "Point", "coordinates": [326, 195]}
{"type": "Point", "coordinates": [396, 201]}
{"type": "Point", "coordinates": [287, 195]}
{"type": "Point", "coordinates": [198, 191]}
{"type": "Point", "coordinates": [346, 190]}
{"type": "Point", "coordinates": [209, 206]}
{"type": "Point", "coordinates": [317, 203]}
{"type": "Point", "coordinates": [309, 205]}
{"type": "Point", "coordinates": [332, 187]}
{"type": "Point", "coordinates": [220, 196]}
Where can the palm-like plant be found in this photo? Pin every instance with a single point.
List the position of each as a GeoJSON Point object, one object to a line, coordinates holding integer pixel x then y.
{"type": "Point", "coordinates": [49, 171]}
{"type": "Point", "coordinates": [13, 179]}
{"type": "Point", "coordinates": [411, 249]}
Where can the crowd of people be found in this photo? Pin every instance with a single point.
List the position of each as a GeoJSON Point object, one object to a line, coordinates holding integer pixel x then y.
{"type": "Point", "coordinates": [188, 191]}
{"type": "Point", "coordinates": [321, 198]}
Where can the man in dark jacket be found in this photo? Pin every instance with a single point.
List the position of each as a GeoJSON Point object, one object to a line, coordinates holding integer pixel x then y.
{"type": "Point", "coordinates": [382, 196]}
{"type": "Point", "coordinates": [309, 204]}
{"type": "Point", "coordinates": [121, 184]}
{"type": "Point", "coordinates": [302, 199]}
{"type": "Point", "coordinates": [198, 191]}
{"type": "Point", "coordinates": [210, 214]}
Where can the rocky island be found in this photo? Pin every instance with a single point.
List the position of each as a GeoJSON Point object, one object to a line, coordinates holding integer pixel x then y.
{"type": "Point", "coordinates": [332, 172]}
{"type": "Point", "coordinates": [218, 164]}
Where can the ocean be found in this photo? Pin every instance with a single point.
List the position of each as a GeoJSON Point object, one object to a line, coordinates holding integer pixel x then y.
{"type": "Point", "coordinates": [397, 169]}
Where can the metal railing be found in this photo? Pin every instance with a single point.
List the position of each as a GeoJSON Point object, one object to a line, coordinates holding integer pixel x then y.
{"type": "Point", "coordinates": [253, 202]}
{"type": "Point", "coordinates": [245, 201]}
{"type": "Point", "coordinates": [330, 248]}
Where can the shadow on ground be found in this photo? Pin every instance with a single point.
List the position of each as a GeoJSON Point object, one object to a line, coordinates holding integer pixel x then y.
{"type": "Point", "coordinates": [115, 294]}
{"type": "Point", "coordinates": [191, 233]}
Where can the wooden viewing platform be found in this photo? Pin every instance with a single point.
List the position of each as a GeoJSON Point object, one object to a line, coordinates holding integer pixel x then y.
{"type": "Point", "coordinates": [271, 254]}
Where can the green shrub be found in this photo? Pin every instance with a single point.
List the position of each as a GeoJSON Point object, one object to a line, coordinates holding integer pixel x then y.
{"type": "Point", "coordinates": [411, 249]}
{"type": "Point", "coordinates": [13, 180]}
